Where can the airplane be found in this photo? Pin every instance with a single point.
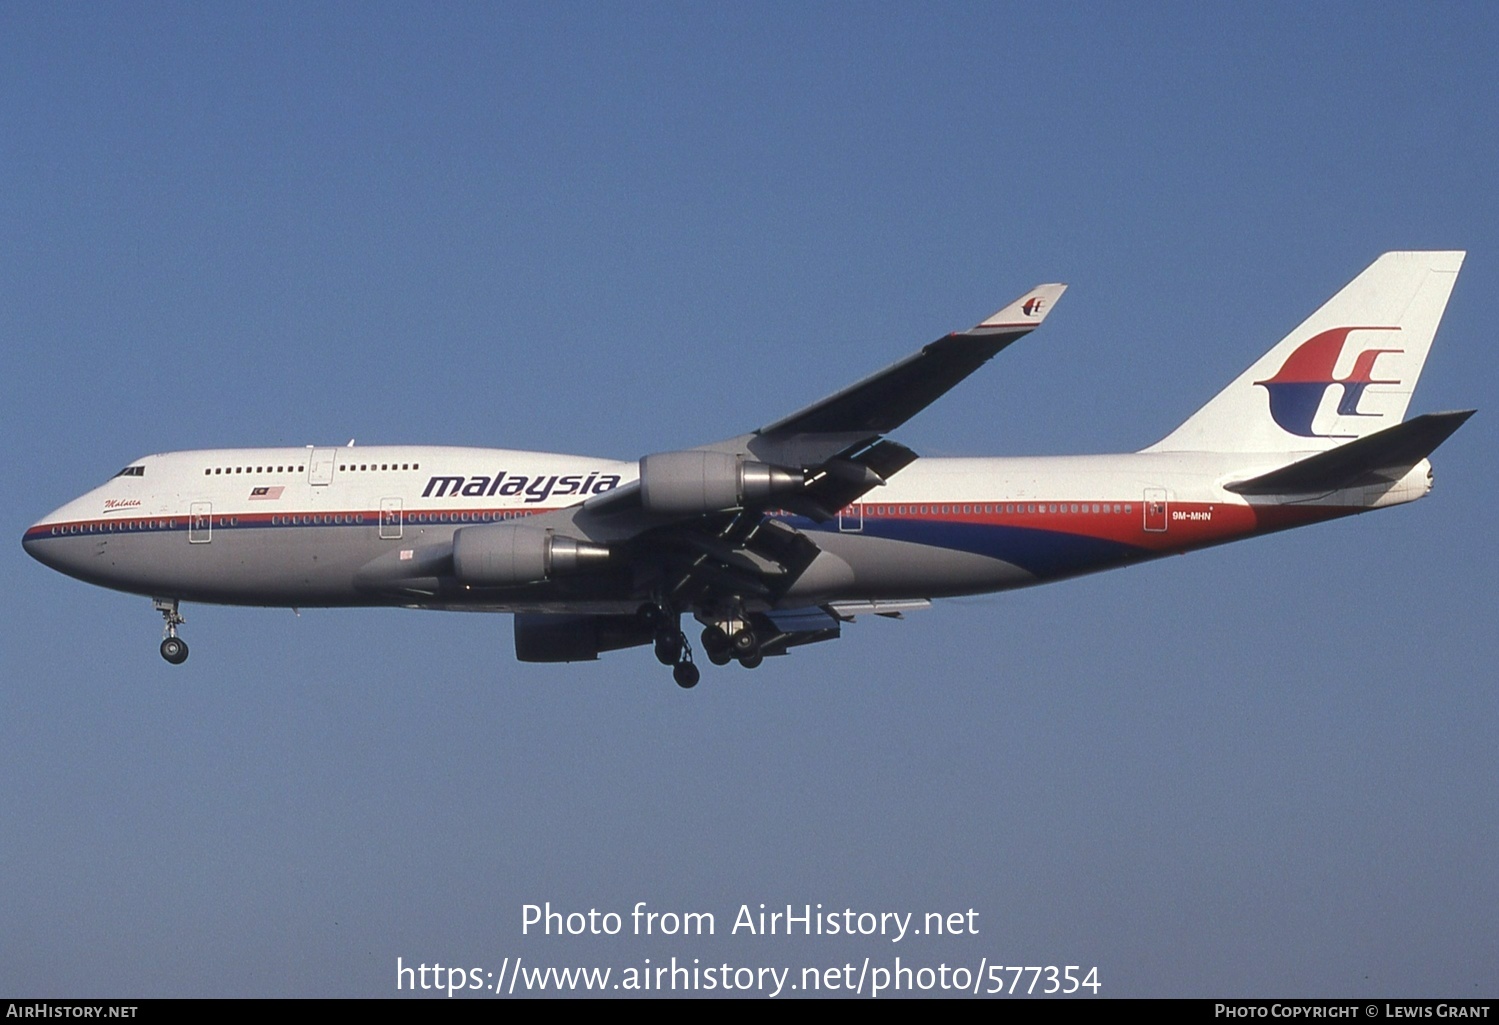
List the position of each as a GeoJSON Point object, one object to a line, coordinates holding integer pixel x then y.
{"type": "Point", "coordinates": [774, 539]}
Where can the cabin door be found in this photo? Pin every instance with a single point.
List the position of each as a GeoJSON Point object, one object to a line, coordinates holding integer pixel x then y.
{"type": "Point", "coordinates": [1155, 509]}
{"type": "Point", "coordinates": [200, 523]}
{"type": "Point", "coordinates": [390, 519]}
{"type": "Point", "coordinates": [320, 466]}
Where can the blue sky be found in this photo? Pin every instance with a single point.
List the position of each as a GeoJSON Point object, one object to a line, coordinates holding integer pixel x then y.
{"type": "Point", "coordinates": [612, 229]}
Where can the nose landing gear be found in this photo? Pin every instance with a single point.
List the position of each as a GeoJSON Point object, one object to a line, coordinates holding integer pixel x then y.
{"type": "Point", "coordinates": [173, 648]}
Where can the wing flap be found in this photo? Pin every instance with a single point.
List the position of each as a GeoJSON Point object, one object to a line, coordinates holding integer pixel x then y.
{"type": "Point", "coordinates": [892, 608]}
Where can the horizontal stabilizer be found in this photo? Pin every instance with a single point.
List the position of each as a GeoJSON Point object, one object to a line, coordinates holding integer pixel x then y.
{"type": "Point", "coordinates": [1377, 458]}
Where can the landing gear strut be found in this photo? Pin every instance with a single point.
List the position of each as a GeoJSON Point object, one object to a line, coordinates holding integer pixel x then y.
{"type": "Point", "coordinates": [672, 648]}
{"type": "Point", "coordinates": [173, 648]}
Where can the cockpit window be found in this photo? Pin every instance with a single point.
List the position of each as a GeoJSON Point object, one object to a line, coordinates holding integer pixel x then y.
{"type": "Point", "coordinates": [132, 471]}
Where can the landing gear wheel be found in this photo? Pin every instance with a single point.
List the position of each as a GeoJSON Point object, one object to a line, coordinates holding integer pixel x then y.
{"type": "Point", "coordinates": [752, 660]}
{"type": "Point", "coordinates": [715, 641]}
{"type": "Point", "coordinates": [720, 658]}
{"type": "Point", "coordinates": [173, 648]}
{"type": "Point", "coordinates": [686, 674]}
{"type": "Point", "coordinates": [652, 615]}
{"type": "Point", "coordinates": [745, 641]}
{"type": "Point", "coordinates": [669, 648]}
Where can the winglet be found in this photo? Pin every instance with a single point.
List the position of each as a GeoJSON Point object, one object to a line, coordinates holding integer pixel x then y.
{"type": "Point", "coordinates": [1027, 311]}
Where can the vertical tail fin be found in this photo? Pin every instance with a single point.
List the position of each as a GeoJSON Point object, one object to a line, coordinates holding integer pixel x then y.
{"type": "Point", "coordinates": [1346, 372]}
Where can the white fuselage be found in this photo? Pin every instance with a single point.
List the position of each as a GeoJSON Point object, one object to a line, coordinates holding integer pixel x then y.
{"type": "Point", "coordinates": [310, 526]}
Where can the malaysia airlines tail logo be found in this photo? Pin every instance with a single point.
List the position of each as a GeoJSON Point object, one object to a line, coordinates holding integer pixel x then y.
{"type": "Point", "coordinates": [1033, 306]}
{"type": "Point", "coordinates": [1297, 389]}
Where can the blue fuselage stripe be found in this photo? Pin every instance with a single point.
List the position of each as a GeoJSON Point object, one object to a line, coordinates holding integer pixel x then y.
{"type": "Point", "coordinates": [1045, 553]}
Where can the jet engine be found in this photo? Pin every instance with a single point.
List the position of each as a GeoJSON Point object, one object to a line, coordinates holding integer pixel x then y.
{"type": "Point", "coordinates": [693, 483]}
{"type": "Point", "coordinates": [510, 554]}
{"type": "Point", "coordinates": [540, 637]}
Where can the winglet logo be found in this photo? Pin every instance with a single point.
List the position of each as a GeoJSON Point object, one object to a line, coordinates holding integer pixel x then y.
{"type": "Point", "coordinates": [1032, 306]}
{"type": "Point", "coordinates": [1296, 391]}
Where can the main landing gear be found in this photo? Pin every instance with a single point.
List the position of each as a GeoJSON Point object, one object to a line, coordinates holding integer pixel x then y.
{"type": "Point", "coordinates": [173, 648]}
{"type": "Point", "coordinates": [731, 639]}
{"type": "Point", "coordinates": [672, 648]}
{"type": "Point", "coordinates": [724, 641]}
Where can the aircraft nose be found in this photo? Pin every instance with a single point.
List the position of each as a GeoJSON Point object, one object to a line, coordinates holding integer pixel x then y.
{"type": "Point", "coordinates": [55, 545]}
{"type": "Point", "coordinates": [35, 542]}
{"type": "Point", "coordinates": [34, 533]}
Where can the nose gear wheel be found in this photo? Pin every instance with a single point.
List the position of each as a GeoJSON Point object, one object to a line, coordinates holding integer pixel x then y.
{"type": "Point", "coordinates": [173, 648]}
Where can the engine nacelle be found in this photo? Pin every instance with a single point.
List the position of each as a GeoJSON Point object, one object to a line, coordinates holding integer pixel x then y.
{"type": "Point", "coordinates": [510, 554]}
{"type": "Point", "coordinates": [540, 637]}
{"type": "Point", "coordinates": [692, 483]}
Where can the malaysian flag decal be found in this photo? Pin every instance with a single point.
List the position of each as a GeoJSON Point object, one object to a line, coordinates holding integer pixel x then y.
{"type": "Point", "coordinates": [265, 494]}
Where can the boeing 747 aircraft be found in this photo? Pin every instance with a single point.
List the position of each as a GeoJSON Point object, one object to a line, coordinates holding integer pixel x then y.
{"type": "Point", "coordinates": [776, 538]}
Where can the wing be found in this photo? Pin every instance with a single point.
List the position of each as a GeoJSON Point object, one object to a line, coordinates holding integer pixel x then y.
{"type": "Point", "coordinates": [886, 400]}
{"type": "Point", "coordinates": [835, 443]}
{"type": "Point", "coordinates": [703, 531]}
